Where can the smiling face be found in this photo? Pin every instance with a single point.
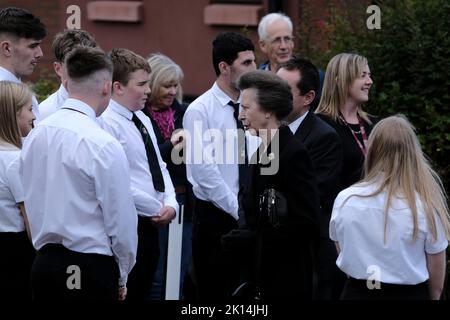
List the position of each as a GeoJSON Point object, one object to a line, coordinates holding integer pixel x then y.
{"type": "Point", "coordinates": [279, 43]}
{"type": "Point", "coordinates": [134, 94]}
{"type": "Point", "coordinates": [166, 95]}
{"type": "Point", "coordinates": [25, 118]}
{"type": "Point", "coordinates": [359, 90]}
{"type": "Point", "coordinates": [25, 54]}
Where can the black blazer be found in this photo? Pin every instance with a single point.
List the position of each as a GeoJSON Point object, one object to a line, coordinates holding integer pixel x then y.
{"type": "Point", "coordinates": [287, 258]}
{"type": "Point", "coordinates": [325, 149]}
{"type": "Point", "coordinates": [177, 171]}
{"type": "Point", "coordinates": [352, 158]}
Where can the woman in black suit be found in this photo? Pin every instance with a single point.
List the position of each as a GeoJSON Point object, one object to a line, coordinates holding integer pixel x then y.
{"type": "Point", "coordinates": [346, 88]}
{"type": "Point", "coordinates": [281, 163]}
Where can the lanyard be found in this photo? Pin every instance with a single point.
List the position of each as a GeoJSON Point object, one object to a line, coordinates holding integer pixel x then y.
{"type": "Point", "coordinates": [362, 146]}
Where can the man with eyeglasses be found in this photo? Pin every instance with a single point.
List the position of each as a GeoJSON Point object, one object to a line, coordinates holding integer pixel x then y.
{"type": "Point", "coordinates": [275, 40]}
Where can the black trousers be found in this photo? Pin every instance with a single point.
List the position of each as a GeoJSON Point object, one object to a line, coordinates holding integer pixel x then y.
{"type": "Point", "coordinates": [17, 255]}
{"type": "Point", "coordinates": [215, 274]}
{"type": "Point", "coordinates": [141, 277]}
{"type": "Point", "coordinates": [358, 290]}
{"type": "Point", "coordinates": [62, 274]}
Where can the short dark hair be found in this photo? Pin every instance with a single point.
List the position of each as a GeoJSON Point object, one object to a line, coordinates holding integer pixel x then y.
{"type": "Point", "coordinates": [67, 40]}
{"type": "Point", "coordinates": [84, 61]}
{"type": "Point", "coordinates": [309, 74]}
{"type": "Point", "coordinates": [21, 23]}
{"type": "Point", "coordinates": [274, 94]}
{"type": "Point", "coordinates": [226, 47]}
{"type": "Point", "coordinates": [126, 62]}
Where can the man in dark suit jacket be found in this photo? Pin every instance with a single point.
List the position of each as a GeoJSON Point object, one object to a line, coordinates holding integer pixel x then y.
{"type": "Point", "coordinates": [325, 150]}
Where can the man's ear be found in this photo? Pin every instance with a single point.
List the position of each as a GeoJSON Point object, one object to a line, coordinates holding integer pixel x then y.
{"type": "Point", "coordinates": [223, 67]}
{"type": "Point", "coordinates": [309, 97]}
{"type": "Point", "coordinates": [6, 48]}
{"type": "Point", "coordinates": [117, 88]}
{"type": "Point", "coordinates": [263, 46]}
{"type": "Point", "coordinates": [57, 66]}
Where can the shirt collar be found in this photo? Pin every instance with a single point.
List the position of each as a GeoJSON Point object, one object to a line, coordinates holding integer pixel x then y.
{"type": "Point", "coordinates": [5, 146]}
{"type": "Point", "coordinates": [62, 92]}
{"type": "Point", "coordinates": [221, 95]}
{"type": "Point", "coordinates": [295, 124]}
{"type": "Point", "coordinates": [80, 106]}
{"type": "Point", "coordinates": [9, 76]}
{"type": "Point", "coordinates": [120, 109]}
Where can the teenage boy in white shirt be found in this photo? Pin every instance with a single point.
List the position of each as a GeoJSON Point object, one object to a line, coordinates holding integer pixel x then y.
{"type": "Point", "coordinates": [151, 186]}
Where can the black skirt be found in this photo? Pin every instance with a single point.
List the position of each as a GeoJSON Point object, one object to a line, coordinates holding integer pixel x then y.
{"type": "Point", "coordinates": [17, 255]}
{"type": "Point", "coordinates": [359, 290]}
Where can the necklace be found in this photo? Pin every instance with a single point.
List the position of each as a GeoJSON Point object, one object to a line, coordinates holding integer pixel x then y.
{"type": "Point", "coordinates": [362, 146]}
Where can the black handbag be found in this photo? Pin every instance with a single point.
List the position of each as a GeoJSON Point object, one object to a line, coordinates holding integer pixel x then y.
{"type": "Point", "coordinates": [273, 208]}
{"type": "Point", "coordinates": [273, 213]}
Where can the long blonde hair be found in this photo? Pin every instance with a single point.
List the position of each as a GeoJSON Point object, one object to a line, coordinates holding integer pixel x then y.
{"type": "Point", "coordinates": [396, 163]}
{"type": "Point", "coordinates": [164, 70]}
{"type": "Point", "coordinates": [342, 70]}
{"type": "Point", "coordinates": [13, 97]}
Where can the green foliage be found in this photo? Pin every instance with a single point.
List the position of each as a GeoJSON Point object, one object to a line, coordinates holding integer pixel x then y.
{"type": "Point", "coordinates": [45, 85]}
{"type": "Point", "coordinates": [410, 62]}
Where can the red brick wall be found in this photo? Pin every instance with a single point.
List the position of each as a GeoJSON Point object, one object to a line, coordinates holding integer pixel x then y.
{"type": "Point", "coordinates": [173, 27]}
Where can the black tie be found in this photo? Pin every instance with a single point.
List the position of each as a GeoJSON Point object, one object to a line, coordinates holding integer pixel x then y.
{"type": "Point", "coordinates": [155, 169]}
{"type": "Point", "coordinates": [242, 145]}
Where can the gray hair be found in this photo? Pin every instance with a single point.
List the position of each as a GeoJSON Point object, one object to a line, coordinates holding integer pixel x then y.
{"type": "Point", "coordinates": [270, 18]}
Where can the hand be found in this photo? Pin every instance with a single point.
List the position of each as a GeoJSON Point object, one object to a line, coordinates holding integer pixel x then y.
{"type": "Point", "coordinates": [122, 293]}
{"type": "Point", "coordinates": [165, 215]}
{"type": "Point", "coordinates": [178, 139]}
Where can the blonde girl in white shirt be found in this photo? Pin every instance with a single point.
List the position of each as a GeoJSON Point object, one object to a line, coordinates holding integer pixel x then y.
{"type": "Point", "coordinates": [392, 228]}
{"type": "Point", "coordinates": [16, 121]}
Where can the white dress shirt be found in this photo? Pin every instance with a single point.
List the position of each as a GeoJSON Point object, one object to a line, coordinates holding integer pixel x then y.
{"type": "Point", "coordinates": [295, 124]}
{"type": "Point", "coordinates": [11, 192]}
{"type": "Point", "coordinates": [116, 120]}
{"type": "Point", "coordinates": [358, 226]}
{"type": "Point", "coordinates": [77, 187]}
{"type": "Point", "coordinates": [53, 103]}
{"type": "Point", "coordinates": [213, 172]}
{"type": "Point", "coordinates": [9, 76]}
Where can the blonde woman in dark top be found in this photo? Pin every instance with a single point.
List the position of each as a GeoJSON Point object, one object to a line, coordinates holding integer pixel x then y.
{"type": "Point", "coordinates": [166, 109]}
{"type": "Point", "coordinates": [346, 88]}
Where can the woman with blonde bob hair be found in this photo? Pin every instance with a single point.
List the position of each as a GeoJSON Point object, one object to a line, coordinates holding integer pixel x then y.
{"type": "Point", "coordinates": [346, 88]}
{"type": "Point", "coordinates": [16, 121]}
{"type": "Point", "coordinates": [165, 109]}
{"type": "Point", "coordinates": [392, 228]}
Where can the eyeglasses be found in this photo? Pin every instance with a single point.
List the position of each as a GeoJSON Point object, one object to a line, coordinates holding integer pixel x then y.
{"type": "Point", "coordinates": [278, 40]}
